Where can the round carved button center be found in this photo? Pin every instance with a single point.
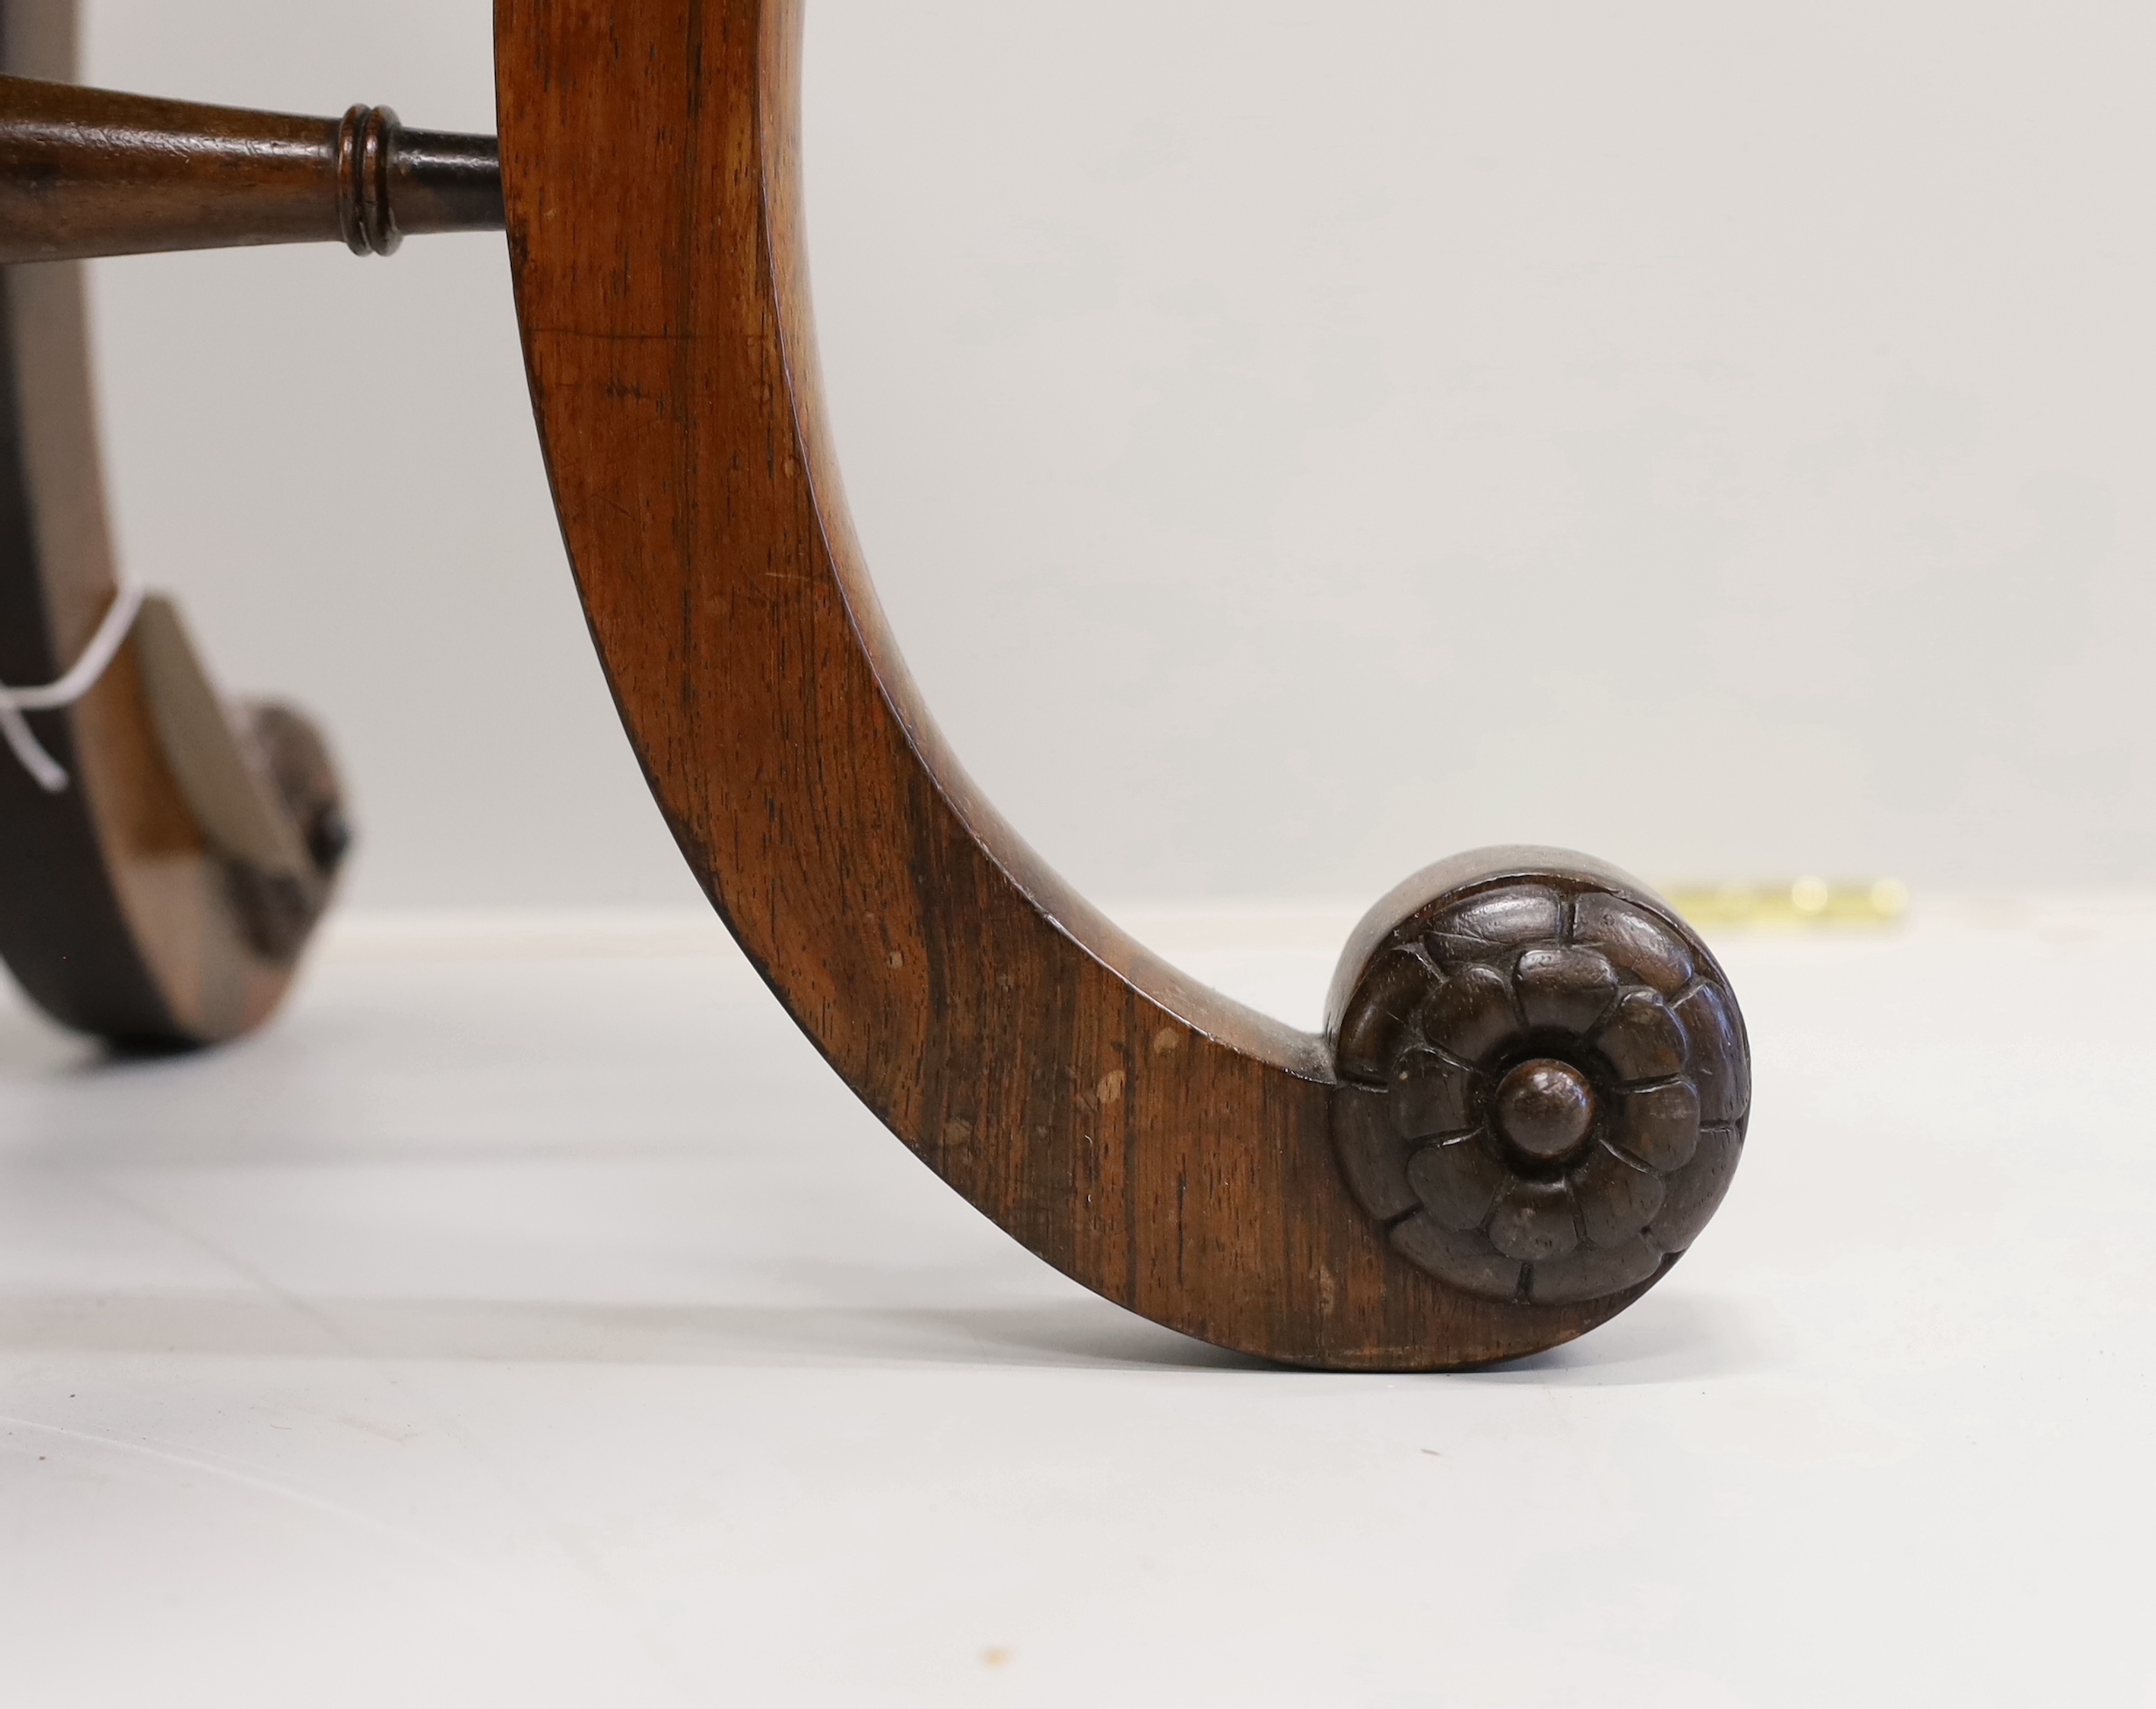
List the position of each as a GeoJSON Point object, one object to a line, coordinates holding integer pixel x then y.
{"type": "Point", "coordinates": [1546, 1108]}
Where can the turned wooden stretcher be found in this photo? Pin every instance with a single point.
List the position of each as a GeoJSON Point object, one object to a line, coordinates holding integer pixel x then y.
{"type": "Point", "coordinates": [1533, 1087]}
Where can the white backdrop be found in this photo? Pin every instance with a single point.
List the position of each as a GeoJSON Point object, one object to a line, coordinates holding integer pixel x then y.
{"type": "Point", "coordinates": [1295, 440]}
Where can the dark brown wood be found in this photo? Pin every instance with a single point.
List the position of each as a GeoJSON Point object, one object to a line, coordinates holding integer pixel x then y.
{"type": "Point", "coordinates": [1168, 1148]}
{"type": "Point", "coordinates": [1547, 1077]}
{"type": "Point", "coordinates": [1533, 1087]}
{"type": "Point", "coordinates": [161, 897]}
{"type": "Point", "coordinates": [88, 172]}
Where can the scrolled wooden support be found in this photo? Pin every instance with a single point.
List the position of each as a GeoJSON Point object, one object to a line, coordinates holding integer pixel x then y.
{"type": "Point", "coordinates": [1534, 1085]}
{"type": "Point", "coordinates": [162, 894]}
{"type": "Point", "coordinates": [159, 880]}
{"type": "Point", "coordinates": [1193, 1161]}
{"type": "Point", "coordinates": [89, 173]}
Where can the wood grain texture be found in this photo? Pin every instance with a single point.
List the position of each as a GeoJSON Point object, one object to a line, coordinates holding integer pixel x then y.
{"type": "Point", "coordinates": [90, 172]}
{"type": "Point", "coordinates": [117, 914]}
{"type": "Point", "coordinates": [1163, 1145]}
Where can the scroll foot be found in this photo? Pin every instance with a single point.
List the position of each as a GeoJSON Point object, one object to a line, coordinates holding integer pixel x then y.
{"type": "Point", "coordinates": [1558, 1080]}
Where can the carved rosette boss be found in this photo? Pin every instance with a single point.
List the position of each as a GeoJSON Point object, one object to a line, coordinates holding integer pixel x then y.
{"type": "Point", "coordinates": [1545, 1077]}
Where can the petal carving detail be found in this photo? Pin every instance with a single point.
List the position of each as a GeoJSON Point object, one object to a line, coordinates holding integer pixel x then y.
{"type": "Point", "coordinates": [1643, 1039]}
{"type": "Point", "coordinates": [1617, 1199]}
{"type": "Point", "coordinates": [1432, 1095]}
{"type": "Point", "coordinates": [1696, 1190]}
{"type": "Point", "coordinates": [1534, 1220]}
{"type": "Point", "coordinates": [1659, 1127]}
{"type": "Point", "coordinates": [1397, 983]}
{"type": "Point", "coordinates": [1649, 949]}
{"type": "Point", "coordinates": [1473, 1013]}
{"type": "Point", "coordinates": [1591, 1273]}
{"type": "Point", "coordinates": [1458, 1183]}
{"type": "Point", "coordinates": [1721, 1061]}
{"type": "Point", "coordinates": [1372, 1155]}
{"type": "Point", "coordinates": [1466, 1260]}
{"type": "Point", "coordinates": [1485, 927]}
{"type": "Point", "coordinates": [1547, 1083]}
{"type": "Point", "coordinates": [1565, 988]}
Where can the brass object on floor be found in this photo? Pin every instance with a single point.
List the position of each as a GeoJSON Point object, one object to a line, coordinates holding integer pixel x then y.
{"type": "Point", "coordinates": [1808, 904]}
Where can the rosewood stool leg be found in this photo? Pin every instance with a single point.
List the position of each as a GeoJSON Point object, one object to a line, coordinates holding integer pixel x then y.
{"type": "Point", "coordinates": [1535, 1086]}
{"type": "Point", "coordinates": [162, 894]}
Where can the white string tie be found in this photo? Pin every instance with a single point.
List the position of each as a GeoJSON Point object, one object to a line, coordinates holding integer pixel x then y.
{"type": "Point", "coordinates": [112, 630]}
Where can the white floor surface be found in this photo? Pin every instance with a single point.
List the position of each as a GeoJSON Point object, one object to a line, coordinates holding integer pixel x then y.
{"type": "Point", "coordinates": [529, 1318]}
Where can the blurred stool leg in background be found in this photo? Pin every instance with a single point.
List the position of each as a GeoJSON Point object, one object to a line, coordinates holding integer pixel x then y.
{"type": "Point", "coordinates": [161, 893]}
